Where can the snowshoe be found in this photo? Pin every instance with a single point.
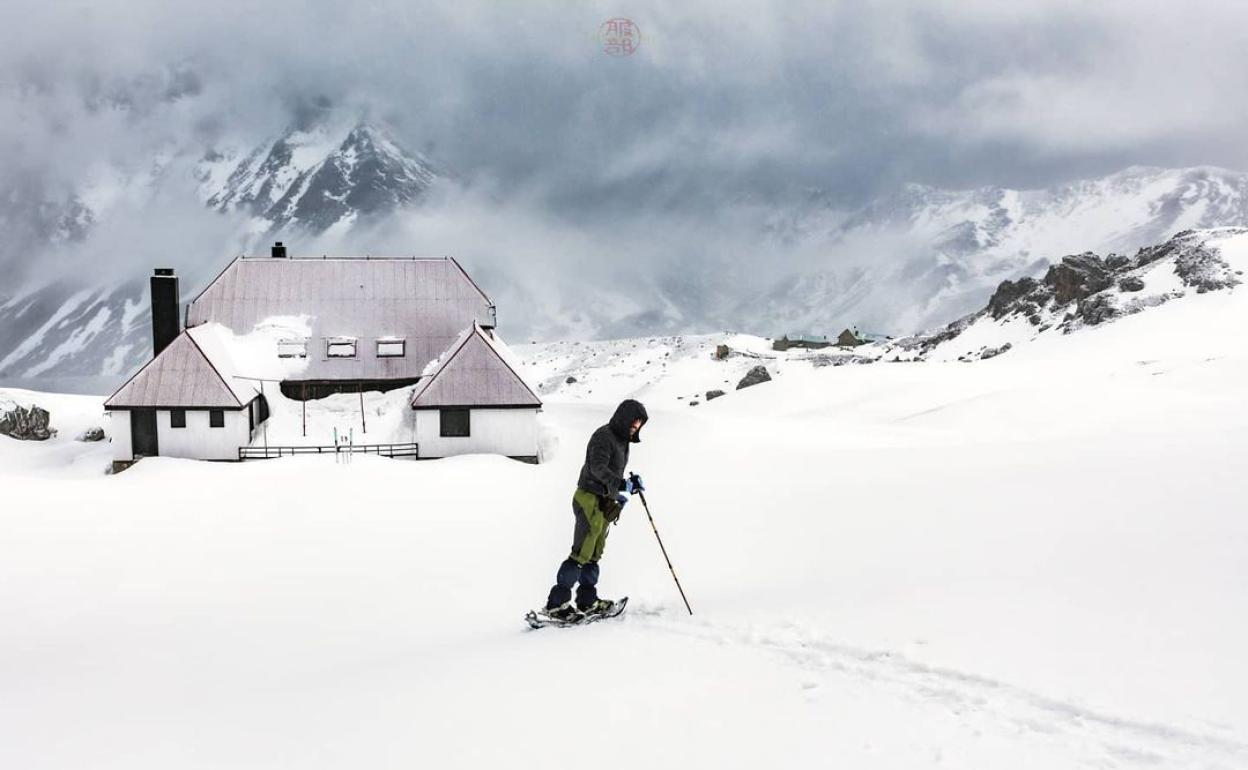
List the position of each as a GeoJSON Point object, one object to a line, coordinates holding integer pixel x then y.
{"type": "Point", "coordinates": [561, 617]}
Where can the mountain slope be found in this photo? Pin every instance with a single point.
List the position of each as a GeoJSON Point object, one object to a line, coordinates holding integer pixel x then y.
{"type": "Point", "coordinates": [942, 252]}
{"type": "Point", "coordinates": [1030, 561]}
{"type": "Point", "coordinates": [303, 183]}
{"type": "Point", "coordinates": [899, 265]}
{"type": "Point", "coordinates": [1086, 290]}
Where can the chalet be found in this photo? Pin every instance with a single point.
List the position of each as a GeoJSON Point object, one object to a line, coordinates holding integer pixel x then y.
{"type": "Point", "coordinates": [850, 338]}
{"type": "Point", "coordinates": [350, 324]}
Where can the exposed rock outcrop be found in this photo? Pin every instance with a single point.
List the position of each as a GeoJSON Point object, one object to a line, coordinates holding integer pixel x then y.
{"type": "Point", "coordinates": [91, 434]}
{"type": "Point", "coordinates": [25, 423]}
{"type": "Point", "coordinates": [754, 376]}
{"type": "Point", "coordinates": [1087, 290]}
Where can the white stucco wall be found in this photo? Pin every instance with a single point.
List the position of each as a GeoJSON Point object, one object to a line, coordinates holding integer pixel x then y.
{"type": "Point", "coordinates": [196, 441]}
{"type": "Point", "coordinates": [511, 432]}
{"type": "Point", "coordinates": [120, 436]}
{"type": "Point", "coordinates": [200, 442]}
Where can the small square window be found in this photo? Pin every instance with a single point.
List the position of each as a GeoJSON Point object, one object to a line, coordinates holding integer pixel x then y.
{"type": "Point", "coordinates": [292, 348]}
{"type": "Point", "coordinates": [340, 347]}
{"type": "Point", "coordinates": [177, 418]}
{"type": "Point", "coordinates": [216, 418]}
{"type": "Point", "coordinates": [454, 422]}
{"type": "Point", "coordinates": [391, 347]}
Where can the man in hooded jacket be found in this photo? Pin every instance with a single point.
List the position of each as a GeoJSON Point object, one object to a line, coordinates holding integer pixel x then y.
{"type": "Point", "coordinates": [597, 504]}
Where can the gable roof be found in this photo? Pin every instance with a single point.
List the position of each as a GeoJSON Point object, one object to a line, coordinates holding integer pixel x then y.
{"type": "Point", "coordinates": [184, 376]}
{"type": "Point", "coordinates": [474, 372]}
{"type": "Point", "coordinates": [425, 300]}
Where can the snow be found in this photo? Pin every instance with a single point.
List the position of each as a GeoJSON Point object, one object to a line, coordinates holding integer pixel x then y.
{"type": "Point", "coordinates": [1032, 561]}
{"type": "Point", "coordinates": [27, 466]}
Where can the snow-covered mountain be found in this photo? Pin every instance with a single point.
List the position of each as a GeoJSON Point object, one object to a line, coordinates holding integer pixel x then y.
{"type": "Point", "coordinates": [899, 265]}
{"type": "Point", "coordinates": [316, 179]}
{"type": "Point", "coordinates": [304, 183]}
{"type": "Point", "coordinates": [924, 255]}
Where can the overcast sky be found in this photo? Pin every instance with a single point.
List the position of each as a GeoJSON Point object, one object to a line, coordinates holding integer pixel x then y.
{"type": "Point", "coordinates": [576, 161]}
{"type": "Point", "coordinates": [727, 97]}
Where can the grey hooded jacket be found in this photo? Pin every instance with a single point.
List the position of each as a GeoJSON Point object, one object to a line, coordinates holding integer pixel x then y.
{"type": "Point", "coordinates": [606, 456]}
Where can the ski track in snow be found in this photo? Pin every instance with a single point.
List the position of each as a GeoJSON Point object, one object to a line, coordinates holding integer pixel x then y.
{"type": "Point", "coordinates": [982, 704]}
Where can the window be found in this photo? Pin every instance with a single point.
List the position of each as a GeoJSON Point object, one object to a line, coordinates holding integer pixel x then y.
{"type": "Point", "coordinates": [391, 347]}
{"type": "Point", "coordinates": [177, 418]}
{"type": "Point", "coordinates": [454, 422]}
{"type": "Point", "coordinates": [292, 348]}
{"type": "Point", "coordinates": [340, 347]}
{"type": "Point", "coordinates": [216, 418]}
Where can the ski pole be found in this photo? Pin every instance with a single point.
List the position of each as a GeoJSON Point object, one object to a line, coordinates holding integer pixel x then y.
{"type": "Point", "coordinates": [670, 568]}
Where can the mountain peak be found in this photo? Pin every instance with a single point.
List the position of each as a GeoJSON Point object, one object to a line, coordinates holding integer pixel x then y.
{"type": "Point", "coordinates": [317, 178]}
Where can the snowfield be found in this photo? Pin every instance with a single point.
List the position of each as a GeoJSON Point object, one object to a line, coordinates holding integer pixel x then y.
{"type": "Point", "coordinates": [1033, 561]}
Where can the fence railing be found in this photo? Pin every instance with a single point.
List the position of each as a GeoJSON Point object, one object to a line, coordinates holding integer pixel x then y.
{"type": "Point", "coordinates": [381, 450]}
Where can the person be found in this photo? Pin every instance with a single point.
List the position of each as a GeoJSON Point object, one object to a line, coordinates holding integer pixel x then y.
{"type": "Point", "coordinates": [596, 504]}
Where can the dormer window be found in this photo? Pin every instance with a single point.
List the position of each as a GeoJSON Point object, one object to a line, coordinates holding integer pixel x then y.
{"type": "Point", "coordinates": [340, 347]}
{"type": "Point", "coordinates": [391, 347]}
{"type": "Point", "coordinates": [292, 348]}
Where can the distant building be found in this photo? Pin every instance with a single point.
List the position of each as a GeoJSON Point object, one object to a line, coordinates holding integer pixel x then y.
{"type": "Point", "coordinates": [851, 338]}
{"type": "Point", "coordinates": [808, 341]}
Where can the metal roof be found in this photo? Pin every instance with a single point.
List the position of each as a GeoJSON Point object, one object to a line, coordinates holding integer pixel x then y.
{"type": "Point", "coordinates": [427, 301]}
{"type": "Point", "coordinates": [474, 372]}
{"type": "Point", "coordinates": [183, 375]}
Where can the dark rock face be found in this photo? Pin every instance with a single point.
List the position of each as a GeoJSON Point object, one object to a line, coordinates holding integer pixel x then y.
{"type": "Point", "coordinates": [1204, 270]}
{"type": "Point", "coordinates": [1095, 286]}
{"type": "Point", "coordinates": [91, 434]}
{"type": "Point", "coordinates": [754, 376]}
{"type": "Point", "coordinates": [1097, 310]}
{"type": "Point", "coordinates": [1008, 293]}
{"type": "Point", "coordinates": [994, 352]}
{"type": "Point", "coordinates": [1077, 277]}
{"type": "Point", "coordinates": [713, 394]}
{"type": "Point", "coordinates": [26, 424]}
{"type": "Point", "coordinates": [570, 380]}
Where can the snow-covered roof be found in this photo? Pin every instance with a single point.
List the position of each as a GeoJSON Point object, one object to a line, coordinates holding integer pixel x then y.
{"type": "Point", "coordinates": [426, 301]}
{"type": "Point", "coordinates": [474, 371]}
{"type": "Point", "coordinates": [194, 371]}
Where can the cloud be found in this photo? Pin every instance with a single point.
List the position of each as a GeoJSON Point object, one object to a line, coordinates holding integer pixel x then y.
{"type": "Point", "coordinates": [585, 163]}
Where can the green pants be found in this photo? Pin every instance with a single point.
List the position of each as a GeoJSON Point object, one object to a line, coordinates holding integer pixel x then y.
{"type": "Point", "coordinates": [591, 528]}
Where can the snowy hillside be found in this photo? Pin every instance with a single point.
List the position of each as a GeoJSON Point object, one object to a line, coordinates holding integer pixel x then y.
{"type": "Point", "coordinates": [1034, 560]}
{"type": "Point", "coordinates": [1087, 290]}
{"type": "Point", "coordinates": [927, 255]}
{"type": "Point", "coordinates": [898, 265]}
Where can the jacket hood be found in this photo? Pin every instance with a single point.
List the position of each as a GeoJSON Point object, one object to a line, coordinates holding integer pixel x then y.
{"type": "Point", "coordinates": [625, 413]}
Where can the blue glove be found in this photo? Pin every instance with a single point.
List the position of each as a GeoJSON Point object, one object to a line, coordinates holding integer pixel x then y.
{"type": "Point", "coordinates": [633, 485]}
{"type": "Point", "coordinates": [622, 499]}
